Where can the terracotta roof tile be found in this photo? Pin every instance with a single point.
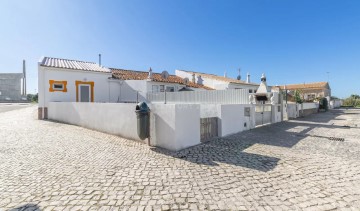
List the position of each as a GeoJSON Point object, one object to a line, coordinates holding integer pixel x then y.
{"type": "Point", "coordinates": [141, 75]}
{"type": "Point", "coordinates": [315, 85]}
{"type": "Point", "coordinates": [72, 64]}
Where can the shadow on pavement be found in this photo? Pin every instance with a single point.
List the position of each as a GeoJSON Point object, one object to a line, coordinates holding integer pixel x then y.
{"type": "Point", "coordinates": [230, 149]}
{"type": "Point", "coordinates": [27, 207]}
{"type": "Point", "coordinates": [223, 151]}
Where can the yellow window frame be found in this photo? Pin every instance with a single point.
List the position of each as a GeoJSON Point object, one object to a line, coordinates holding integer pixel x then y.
{"type": "Point", "coordinates": [53, 82]}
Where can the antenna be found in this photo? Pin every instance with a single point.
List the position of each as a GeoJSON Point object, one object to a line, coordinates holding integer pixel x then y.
{"type": "Point", "coordinates": [239, 76]}
{"type": "Point", "coordinates": [99, 59]}
{"type": "Point", "coordinates": [327, 76]}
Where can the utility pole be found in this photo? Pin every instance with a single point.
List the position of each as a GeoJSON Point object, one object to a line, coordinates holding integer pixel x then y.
{"type": "Point", "coordinates": [24, 78]}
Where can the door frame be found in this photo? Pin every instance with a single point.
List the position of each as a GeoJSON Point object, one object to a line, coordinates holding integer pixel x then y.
{"type": "Point", "coordinates": [84, 83]}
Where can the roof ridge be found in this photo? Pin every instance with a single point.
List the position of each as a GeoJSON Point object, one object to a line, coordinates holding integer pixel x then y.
{"type": "Point", "coordinates": [139, 71]}
{"type": "Point", "coordinates": [197, 72]}
{"type": "Point", "coordinates": [74, 60]}
{"type": "Point", "coordinates": [306, 83]}
{"type": "Point", "coordinates": [111, 68]}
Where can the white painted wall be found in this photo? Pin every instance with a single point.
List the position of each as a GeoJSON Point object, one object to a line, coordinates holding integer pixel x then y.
{"type": "Point", "coordinates": [177, 126]}
{"type": "Point", "coordinates": [335, 103]}
{"type": "Point", "coordinates": [243, 86]}
{"type": "Point", "coordinates": [101, 85]}
{"type": "Point", "coordinates": [114, 118]}
{"type": "Point", "coordinates": [208, 110]}
{"type": "Point", "coordinates": [176, 86]}
{"type": "Point", "coordinates": [129, 89]}
{"type": "Point", "coordinates": [173, 127]}
{"type": "Point", "coordinates": [232, 119]}
{"type": "Point", "coordinates": [292, 110]}
{"type": "Point", "coordinates": [214, 83]}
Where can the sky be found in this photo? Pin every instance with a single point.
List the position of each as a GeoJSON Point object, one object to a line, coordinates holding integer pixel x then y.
{"type": "Point", "coordinates": [290, 41]}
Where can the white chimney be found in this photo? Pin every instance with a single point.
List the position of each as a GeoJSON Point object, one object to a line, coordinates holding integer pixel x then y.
{"type": "Point", "coordinates": [193, 78]}
{"type": "Point", "coordinates": [150, 76]}
{"type": "Point", "coordinates": [248, 78]}
{"type": "Point", "coordinates": [199, 80]}
{"type": "Point", "coordinates": [225, 74]}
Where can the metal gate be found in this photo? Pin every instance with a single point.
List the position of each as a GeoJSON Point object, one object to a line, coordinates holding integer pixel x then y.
{"type": "Point", "coordinates": [262, 114]}
{"type": "Point", "coordinates": [208, 128]}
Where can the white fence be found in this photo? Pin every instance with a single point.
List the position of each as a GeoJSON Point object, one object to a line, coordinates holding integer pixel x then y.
{"type": "Point", "coordinates": [230, 96]}
{"type": "Point", "coordinates": [113, 118]}
{"type": "Point", "coordinates": [309, 106]}
{"type": "Point", "coordinates": [335, 103]}
{"type": "Point", "coordinates": [172, 126]}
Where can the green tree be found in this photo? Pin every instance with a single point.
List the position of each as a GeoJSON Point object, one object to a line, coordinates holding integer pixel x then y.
{"type": "Point", "coordinates": [353, 101]}
{"type": "Point", "coordinates": [32, 97]}
{"type": "Point", "coordinates": [323, 104]}
{"type": "Point", "coordinates": [355, 96]}
{"type": "Point", "coordinates": [297, 97]}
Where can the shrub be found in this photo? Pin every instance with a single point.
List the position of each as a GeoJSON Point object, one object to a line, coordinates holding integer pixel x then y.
{"type": "Point", "coordinates": [323, 104]}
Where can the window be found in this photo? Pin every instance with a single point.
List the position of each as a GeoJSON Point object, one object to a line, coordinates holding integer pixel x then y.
{"type": "Point", "coordinates": [57, 86]}
{"type": "Point", "coordinates": [162, 88]}
{"type": "Point", "coordinates": [155, 88]}
{"type": "Point", "coordinates": [170, 89]}
{"type": "Point", "coordinates": [250, 90]}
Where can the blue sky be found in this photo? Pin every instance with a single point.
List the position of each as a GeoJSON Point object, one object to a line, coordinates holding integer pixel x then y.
{"type": "Point", "coordinates": [289, 41]}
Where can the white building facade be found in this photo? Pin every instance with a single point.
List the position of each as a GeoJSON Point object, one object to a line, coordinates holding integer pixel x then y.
{"type": "Point", "coordinates": [217, 82]}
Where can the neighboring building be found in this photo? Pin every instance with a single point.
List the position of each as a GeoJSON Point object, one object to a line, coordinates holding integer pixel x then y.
{"type": "Point", "coordinates": [218, 82]}
{"type": "Point", "coordinates": [141, 82]}
{"type": "Point", "coordinates": [310, 91]}
{"type": "Point", "coordinates": [11, 87]}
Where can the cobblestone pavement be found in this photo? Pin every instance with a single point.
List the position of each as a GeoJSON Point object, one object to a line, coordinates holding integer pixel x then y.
{"type": "Point", "coordinates": [286, 166]}
{"type": "Point", "coordinates": [4, 107]}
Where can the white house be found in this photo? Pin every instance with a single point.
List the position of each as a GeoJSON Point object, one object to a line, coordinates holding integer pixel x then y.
{"type": "Point", "coordinates": [64, 80]}
{"type": "Point", "coordinates": [218, 82]}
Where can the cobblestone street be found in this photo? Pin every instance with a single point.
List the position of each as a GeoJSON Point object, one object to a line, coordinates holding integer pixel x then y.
{"type": "Point", "coordinates": [310, 163]}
